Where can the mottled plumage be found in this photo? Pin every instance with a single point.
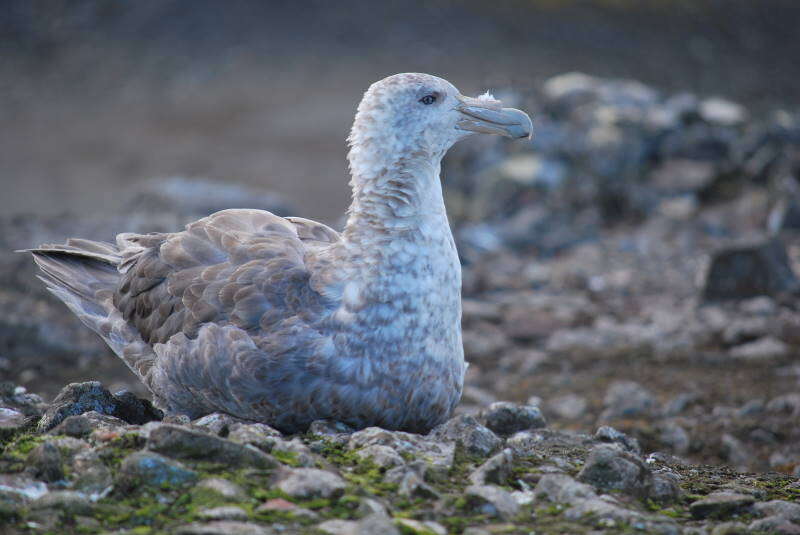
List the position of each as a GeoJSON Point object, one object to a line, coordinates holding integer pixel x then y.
{"type": "Point", "coordinates": [284, 320]}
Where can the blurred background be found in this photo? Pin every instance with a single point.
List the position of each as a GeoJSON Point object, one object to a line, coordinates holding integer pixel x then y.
{"type": "Point", "coordinates": [633, 264]}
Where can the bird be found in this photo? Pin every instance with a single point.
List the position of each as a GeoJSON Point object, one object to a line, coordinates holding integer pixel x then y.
{"type": "Point", "coordinates": [283, 320]}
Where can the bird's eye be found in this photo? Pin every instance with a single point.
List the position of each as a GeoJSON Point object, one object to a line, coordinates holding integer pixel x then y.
{"type": "Point", "coordinates": [428, 99]}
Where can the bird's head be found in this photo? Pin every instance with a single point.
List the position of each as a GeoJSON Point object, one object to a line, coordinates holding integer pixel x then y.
{"type": "Point", "coordinates": [413, 113]}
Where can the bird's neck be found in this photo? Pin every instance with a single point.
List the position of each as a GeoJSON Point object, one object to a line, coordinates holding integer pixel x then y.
{"type": "Point", "coordinates": [401, 198]}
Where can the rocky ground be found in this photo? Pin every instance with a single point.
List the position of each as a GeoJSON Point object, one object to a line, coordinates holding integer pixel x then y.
{"type": "Point", "coordinates": [629, 285]}
{"type": "Point", "coordinates": [82, 470]}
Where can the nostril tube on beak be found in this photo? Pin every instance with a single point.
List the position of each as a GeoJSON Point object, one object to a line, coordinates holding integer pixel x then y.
{"type": "Point", "coordinates": [491, 119]}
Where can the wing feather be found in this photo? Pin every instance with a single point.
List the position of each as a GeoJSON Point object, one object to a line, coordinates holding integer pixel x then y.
{"type": "Point", "coordinates": [246, 268]}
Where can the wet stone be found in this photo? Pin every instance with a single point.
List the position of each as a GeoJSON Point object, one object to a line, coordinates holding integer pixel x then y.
{"type": "Point", "coordinates": [506, 418]}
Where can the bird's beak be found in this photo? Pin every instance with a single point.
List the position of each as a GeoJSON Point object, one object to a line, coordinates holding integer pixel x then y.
{"type": "Point", "coordinates": [487, 116]}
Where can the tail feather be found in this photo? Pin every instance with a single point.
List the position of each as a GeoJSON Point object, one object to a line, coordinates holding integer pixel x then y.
{"type": "Point", "coordinates": [84, 275]}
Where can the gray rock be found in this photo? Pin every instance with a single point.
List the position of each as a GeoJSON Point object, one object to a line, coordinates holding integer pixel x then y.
{"type": "Point", "coordinates": [729, 528]}
{"type": "Point", "coordinates": [674, 437]}
{"type": "Point", "coordinates": [310, 483]}
{"type": "Point", "coordinates": [90, 475]}
{"type": "Point", "coordinates": [561, 488]}
{"type": "Point", "coordinates": [721, 505]}
{"type": "Point", "coordinates": [181, 443]}
{"type": "Point", "coordinates": [78, 398]}
{"type": "Point", "coordinates": [609, 468]}
{"type": "Point", "coordinates": [471, 435]}
{"type": "Point", "coordinates": [13, 486]}
{"type": "Point", "coordinates": [496, 469]}
{"type": "Point", "coordinates": [82, 425]}
{"type": "Point", "coordinates": [45, 462]}
{"type": "Point", "coordinates": [679, 403]}
{"type": "Point", "coordinates": [419, 527]}
{"type": "Point", "coordinates": [11, 422]}
{"type": "Point", "coordinates": [383, 456]}
{"type": "Point", "coordinates": [734, 450]}
{"type": "Point", "coordinates": [218, 423]}
{"type": "Point", "coordinates": [225, 512]}
{"type": "Point", "coordinates": [296, 450]}
{"type": "Point", "coordinates": [492, 501]}
{"type": "Point", "coordinates": [17, 398]}
{"type": "Point", "coordinates": [782, 508]}
{"type": "Point", "coordinates": [764, 349]}
{"type": "Point", "coordinates": [506, 418]}
{"type": "Point", "coordinates": [438, 455]}
{"type": "Point", "coordinates": [261, 436]}
{"type": "Point", "coordinates": [77, 426]}
{"type": "Point", "coordinates": [568, 406]}
{"type": "Point", "coordinates": [223, 527]}
{"type": "Point", "coordinates": [67, 501]}
{"type": "Point", "coordinates": [224, 488]}
{"type": "Point", "coordinates": [627, 399]}
{"type": "Point", "coordinates": [329, 428]}
{"type": "Point", "coordinates": [135, 410]}
{"type": "Point", "coordinates": [665, 488]}
{"type": "Point", "coordinates": [601, 512]}
{"type": "Point", "coordinates": [410, 482]}
{"type": "Point", "coordinates": [368, 525]}
{"type": "Point", "coordinates": [774, 525]}
{"type": "Point", "coordinates": [606, 433]}
{"type": "Point", "coordinates": [761, 268]}
{"type": "Point", "coordinates": [152, 470]}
